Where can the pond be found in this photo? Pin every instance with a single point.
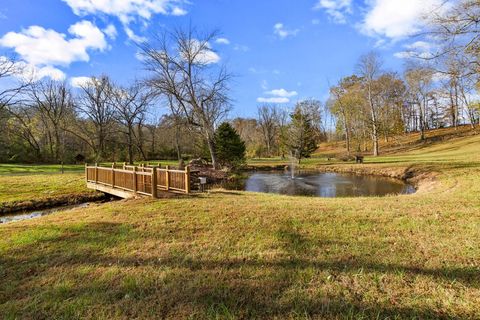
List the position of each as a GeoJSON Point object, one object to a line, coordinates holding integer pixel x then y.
{"type": "Point", "coordinates": [328, 185]}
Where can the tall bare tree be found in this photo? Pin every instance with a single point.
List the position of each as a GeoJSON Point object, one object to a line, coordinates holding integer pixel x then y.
{"type": "Point", "coordinates": [184, 66]}
{"type": "Point", "coordinates": [269, 123]}
{"type": "Point", "coordinates": [95, 105]}
{"type": "Point", "coordinates": [130, 104]}
{"type": "Point", "coordinates": [369, 68]}
{"type": "Point", "coordinates": [53, 101]}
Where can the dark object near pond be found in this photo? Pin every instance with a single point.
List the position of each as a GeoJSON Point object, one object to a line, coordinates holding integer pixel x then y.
{"type": "Point", "coordinates": [327, 185]}
{"type": "Point", "coordinates": [359, 159]}
{"type": "Point", "coordinates": [79, 158]}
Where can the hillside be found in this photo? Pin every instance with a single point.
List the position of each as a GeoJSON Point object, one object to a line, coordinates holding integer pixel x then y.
{"type": "Point", "coordinates": [240, 255]}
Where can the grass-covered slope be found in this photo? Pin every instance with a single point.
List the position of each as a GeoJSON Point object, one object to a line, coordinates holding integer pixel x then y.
{"type": "Point", "coordinates": [246, 255]}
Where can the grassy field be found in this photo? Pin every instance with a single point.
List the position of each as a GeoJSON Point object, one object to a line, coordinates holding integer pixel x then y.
{"type": "Point", "coordinates": [40, 186]}
{"type": "Point", "coordinates": [237, 255]}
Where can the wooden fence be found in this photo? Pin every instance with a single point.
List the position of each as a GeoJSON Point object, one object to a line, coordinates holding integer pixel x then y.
{"type": "Point", "coordinates": [138, 179]}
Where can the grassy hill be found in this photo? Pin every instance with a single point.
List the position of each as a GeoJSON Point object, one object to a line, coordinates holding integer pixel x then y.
{"type": "Point", "coordinates": [229, 255]}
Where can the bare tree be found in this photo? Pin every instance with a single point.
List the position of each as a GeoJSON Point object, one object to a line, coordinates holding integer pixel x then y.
{"type": "Point", "coordinates": [52, 100]}
{"type": "Point", "coordinates": [131, 105]}
{"type": "Point", "coordinates": [11, 69]}
{"type": "Point", "coordinates": [94, 104]}
{"type": "Point", "coordinates": [184, 66]}
{"type": "Point", "coordinates": [269, 123]}
{"type": "Point", "coordinates": [369, 68]}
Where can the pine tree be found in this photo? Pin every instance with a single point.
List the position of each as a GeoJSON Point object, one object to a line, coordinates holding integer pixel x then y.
{"type": "Point", "coordinates": [301, 135]}
{"type": "Point", "coordinates": [229, 146]}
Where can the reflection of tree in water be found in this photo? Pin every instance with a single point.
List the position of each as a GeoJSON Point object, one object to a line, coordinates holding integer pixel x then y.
{"type": "Point", "coordinates": [298, 186]}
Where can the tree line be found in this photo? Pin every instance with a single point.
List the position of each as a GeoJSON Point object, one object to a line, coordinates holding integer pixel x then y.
{"type": "Point", "coordinates": [49, 121]}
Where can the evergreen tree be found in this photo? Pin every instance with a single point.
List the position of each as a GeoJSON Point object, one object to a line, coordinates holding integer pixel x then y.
{"type": "Point", "coordinates": [301, 139]}
{"type": "Point", "coordinates": [229, 146]}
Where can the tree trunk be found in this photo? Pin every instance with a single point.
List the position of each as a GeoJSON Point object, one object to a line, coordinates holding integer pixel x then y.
{"type": "Point", "coordinates": [211, 148]}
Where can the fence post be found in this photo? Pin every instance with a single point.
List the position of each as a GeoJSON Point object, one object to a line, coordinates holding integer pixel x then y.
{"type": "Point", "coordinates": [96, 173]}
{"type": "Point", "coordinates": [113, 175]}
{"type": "Point", "coordinates": [124, 165]}
{"type": "Point", "coordinates": [135, 179]}
{"type": "Point", "coordinates": [86, 172]}
{"type": "Point", "coordinates": [154, 182]}
{"type": "Point", "coordinates": [167, 177]}
{"type": "Point", "coordinates": [187, 179]}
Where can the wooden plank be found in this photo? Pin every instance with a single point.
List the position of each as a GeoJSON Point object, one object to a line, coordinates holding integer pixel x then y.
{"type": "Point", "coordinates": [110, 190]}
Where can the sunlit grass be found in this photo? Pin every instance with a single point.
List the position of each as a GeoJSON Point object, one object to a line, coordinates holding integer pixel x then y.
{"type": "Point", "coordinates": [240, 255]}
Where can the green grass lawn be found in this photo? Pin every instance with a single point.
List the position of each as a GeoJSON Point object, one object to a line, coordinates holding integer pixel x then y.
{"type": "Point", "coordinates": [41, 186]}
{"type": "Point", "coordinates": [239, 255]}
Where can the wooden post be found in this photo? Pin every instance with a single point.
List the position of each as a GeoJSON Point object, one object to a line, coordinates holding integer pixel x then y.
{"type": "Point", "coordinates": [135, 179]}
{"type": "Point", "coordinates": [154, 182]}
{"type": "Point", "coordinates": [167, 177]}
{"type": "Point", "coordinates": [86, 172]}
{"type": "Point", "coordinates": [96, 172]}
{"type": "Point", "coordinates": [113, 175]}
{"type": "Point", "coordinates": [187, 179]}
{"type": "Point", "coordinates": [124, 165]}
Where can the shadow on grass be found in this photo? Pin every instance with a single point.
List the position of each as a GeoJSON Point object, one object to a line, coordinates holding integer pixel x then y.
{"type": "Point", "coordinates": [167, 285]}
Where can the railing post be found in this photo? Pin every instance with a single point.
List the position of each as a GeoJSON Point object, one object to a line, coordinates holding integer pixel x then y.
{"type": "Point", "coordinates": [96, 173]}
{"type": "Point", "coordinates": [135, 179]}
{"type": "Point", "coordinates": [167, 177]}
{"type": "Point", "coordinates": [187, 179]}
{"type": "Point", "coordinates": [154, 182]}
{"type": "Point", "coordinates": [113, 175]}
{"type": "Point", "coordinates": [124, 165]}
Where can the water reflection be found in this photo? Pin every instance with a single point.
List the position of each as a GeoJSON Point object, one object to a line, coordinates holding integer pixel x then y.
{"type": "Point", "coordinates": [327, 185]}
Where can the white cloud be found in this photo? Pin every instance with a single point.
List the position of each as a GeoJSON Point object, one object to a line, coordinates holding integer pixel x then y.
{"type": "Point", "coordinates": [39, 46]}
{"type": "Point", "coordinates": [315, 21]}
{"type": "Point", "coordinates": [278, 96]}
{"type": "Point", "coordinates": [177, 11]}
{"type": "Point", "coordinates": [282, 93]}
{"type": "Point", "coordinates": [336, 9]}
{"type": "Point", "coordinates": [396, 19]}
{"type": "Point", "coordinates": [78, 82]}
{"type": "Point", "coordinates": [222, 41]}
{"type": "Point", "coordinates": [280, 30]}
{"type": "Point", "coordinates": [43, 50]}
{"type": "Point", "coordinates": [127, 11]}
{"type": "Point", "coordinates": [28, 72]}
{"type": "Point", "coordinates": [419, 49]}
{"type": "Point", "coordinates": [205, 55]}
{"type": "Point", "coordinates": [111, 31]}
{"type": "Point", "coordinates": [273, 100]}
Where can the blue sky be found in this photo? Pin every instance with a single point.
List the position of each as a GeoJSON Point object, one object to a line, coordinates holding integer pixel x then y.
{"type": "Point", "coordinates": [280, 51]}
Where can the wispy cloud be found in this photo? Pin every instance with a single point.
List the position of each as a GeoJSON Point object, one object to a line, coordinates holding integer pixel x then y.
{"type": "Point", "coordinates": [336, 9]}
{"type": "Point", "coordinates": [282, 32]}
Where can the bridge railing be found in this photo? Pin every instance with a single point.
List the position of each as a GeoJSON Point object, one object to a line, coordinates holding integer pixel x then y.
{"type": "Point", "coordinates": [140, 179]}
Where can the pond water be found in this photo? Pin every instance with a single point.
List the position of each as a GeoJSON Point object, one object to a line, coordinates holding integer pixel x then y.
{"type": "Point", "coordinates": [327, 185]}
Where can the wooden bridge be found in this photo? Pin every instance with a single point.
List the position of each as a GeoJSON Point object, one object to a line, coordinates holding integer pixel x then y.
{"type": "Point", "coordinates": [128, 181]}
